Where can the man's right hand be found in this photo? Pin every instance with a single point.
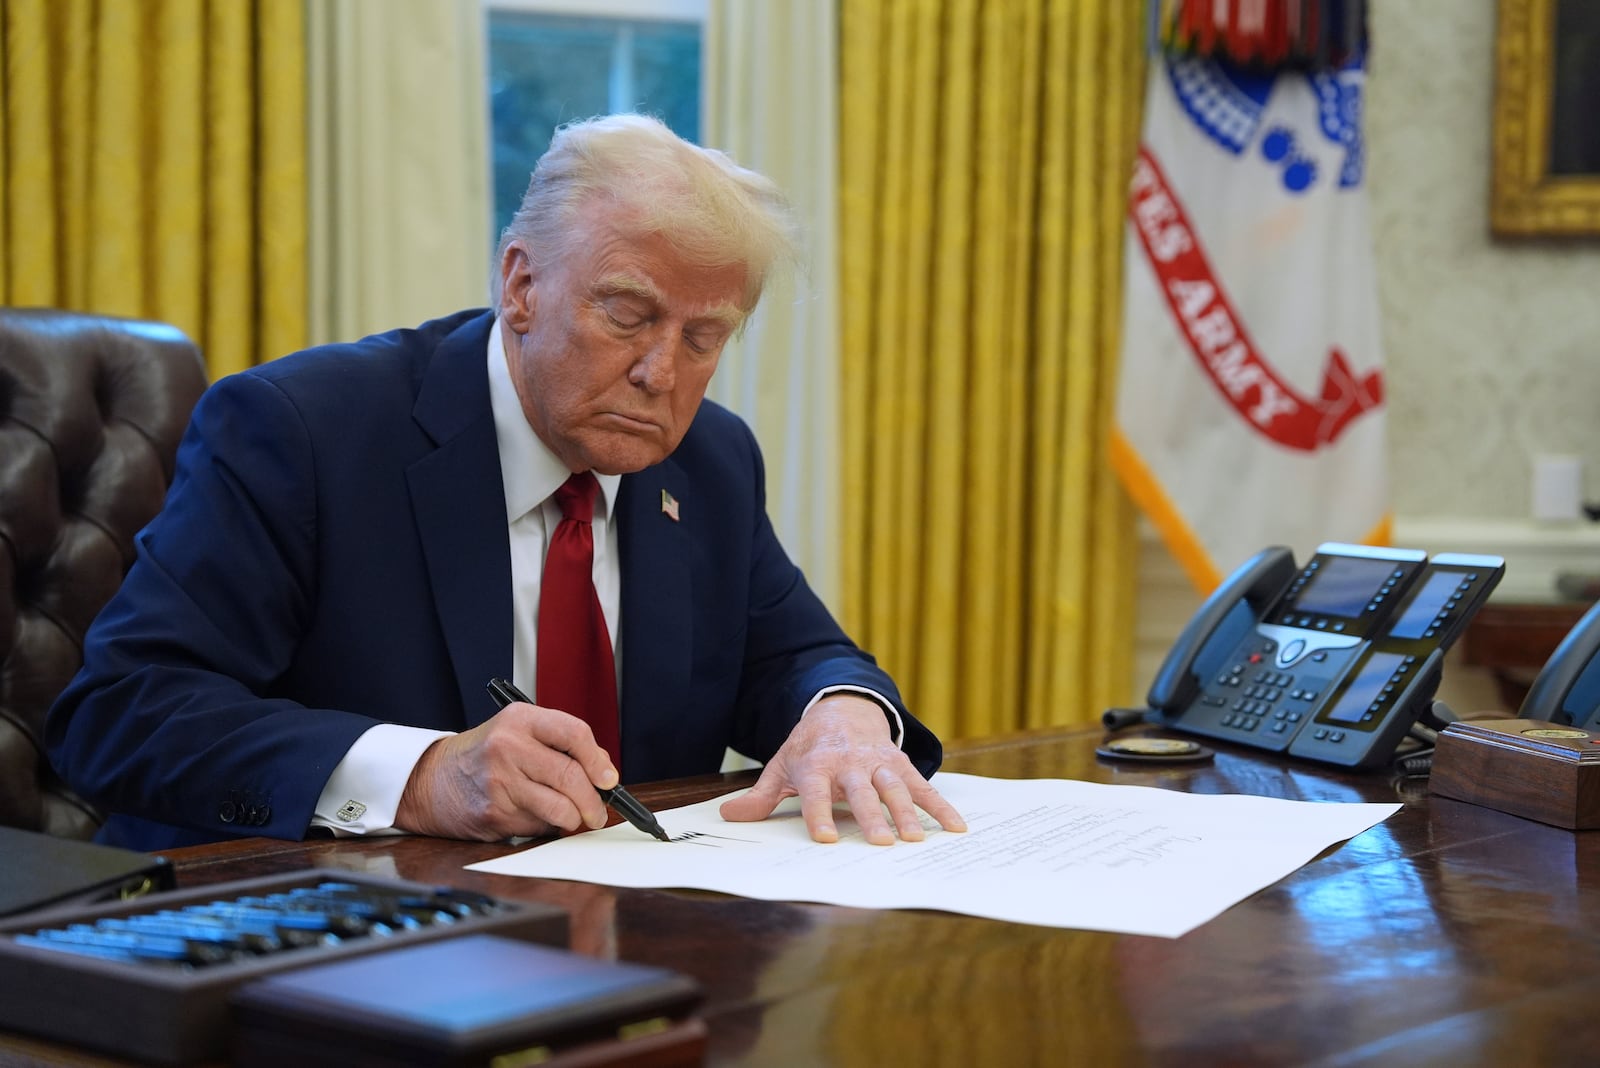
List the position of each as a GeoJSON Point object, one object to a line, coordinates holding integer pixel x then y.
{"type": "Point", "coordinates": [528, 771]}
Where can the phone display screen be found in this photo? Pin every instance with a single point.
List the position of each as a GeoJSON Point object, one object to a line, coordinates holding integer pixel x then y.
{"type": "Point", "coordinates": [1344, 585]}
{"type": "Point", "coordinates": [1364, 687]}
{"type": "Point", "coordinates": [1424, 607]}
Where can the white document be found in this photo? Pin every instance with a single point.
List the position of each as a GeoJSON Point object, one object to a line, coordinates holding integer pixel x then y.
{"type": "Point", "coordinates": [1054, 852]}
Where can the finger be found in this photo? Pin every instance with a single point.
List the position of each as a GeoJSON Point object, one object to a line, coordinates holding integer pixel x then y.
{"type": "Point", "coordinates": [573, 781]}
{"type": "Point", "coordinates": [933, 803]}
{"type": "Point", "coordinates": [816, 808]}
{"type": "Point", "coordinates": [573, 740]}
{"type": "Point", "coordinates": [562, 776]}
{"type": "Point", "coordinates": [496, 804]}
{"type": "Point", "coordinates": [528, 746]}
{"type": "Point", "coordinates": [539, 808]}
{"type": "Point", "coordinates": [894, 795]}
{"type": "Point", "coordinates": [867, 808]}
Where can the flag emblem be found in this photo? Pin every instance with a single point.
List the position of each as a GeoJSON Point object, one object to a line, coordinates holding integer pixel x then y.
{"type": "Point", "coordinates": [669, 506]}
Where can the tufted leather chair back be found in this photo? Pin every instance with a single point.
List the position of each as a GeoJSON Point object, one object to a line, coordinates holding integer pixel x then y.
{"type": "Point", "coordinates": [91, 411]}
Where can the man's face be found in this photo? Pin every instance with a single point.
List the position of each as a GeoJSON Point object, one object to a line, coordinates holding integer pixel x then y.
{"type": "Point", "coordinates": [612, 346]}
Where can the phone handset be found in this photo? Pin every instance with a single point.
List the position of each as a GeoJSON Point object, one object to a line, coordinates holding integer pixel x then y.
{"type": "Point", "coordinates": [1230, 612]}
{"type": "Point", "coordinates": [1567, 690]}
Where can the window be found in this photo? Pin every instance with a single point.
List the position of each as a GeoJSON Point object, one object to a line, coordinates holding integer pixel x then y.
{"type": "Point", "coordinates": [552, 61]}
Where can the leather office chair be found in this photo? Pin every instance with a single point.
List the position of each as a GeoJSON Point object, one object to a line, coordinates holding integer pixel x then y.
{"type": "Point", "coordinates": [91, 411]}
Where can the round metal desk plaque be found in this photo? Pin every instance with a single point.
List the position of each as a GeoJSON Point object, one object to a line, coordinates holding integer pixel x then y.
{"type": "Point", "coordinates": [1155, 749]}
{"type": "Point", "coordinates": [1554, 732]}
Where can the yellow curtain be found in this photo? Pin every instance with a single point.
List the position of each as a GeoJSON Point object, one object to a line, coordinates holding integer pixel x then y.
{"type": "Point", "coordinates": [987, 551]}
{"type": "Point", "coordinates": [152, 155]}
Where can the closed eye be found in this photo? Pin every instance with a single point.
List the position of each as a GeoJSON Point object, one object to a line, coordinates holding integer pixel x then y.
{"type": "Point", "coordinates": [706, 340]}
{"type": "Point", "coordinates": [626, 311]}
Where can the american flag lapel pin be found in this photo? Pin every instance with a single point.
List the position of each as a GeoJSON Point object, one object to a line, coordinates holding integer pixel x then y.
{"type": "Point", "coordinates": [669, 506]}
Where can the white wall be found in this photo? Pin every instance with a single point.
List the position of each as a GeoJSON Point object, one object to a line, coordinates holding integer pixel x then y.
{"type": "Point", "coordinates": [1492, 347]}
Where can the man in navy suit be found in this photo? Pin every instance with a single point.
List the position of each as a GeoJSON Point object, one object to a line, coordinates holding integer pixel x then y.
{"type": "Point", "coordinates": [352, 548]}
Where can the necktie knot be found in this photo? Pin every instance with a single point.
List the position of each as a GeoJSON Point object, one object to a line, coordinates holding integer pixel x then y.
{"type": "Point", "coordinates": [576, 497]}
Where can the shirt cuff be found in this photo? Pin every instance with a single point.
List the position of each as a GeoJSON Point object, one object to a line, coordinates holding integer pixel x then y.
{"type": "Point", "coordinates": [897, 728]}
{"type": "Point", "coordinates": [363, 793]}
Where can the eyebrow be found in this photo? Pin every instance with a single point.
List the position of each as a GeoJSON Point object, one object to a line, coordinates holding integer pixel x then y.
{"type": "Point", "coordinates": [627, 285]}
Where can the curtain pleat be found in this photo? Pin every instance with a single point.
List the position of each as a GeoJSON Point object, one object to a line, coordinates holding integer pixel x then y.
{"type": "Point", "coordinates": [177, 215]}
{"type": "Point", "coordinates": [283, 241]}
{"type": "Point", "coordinates": [771, 76]}
{"type": "Point", "coordinates": [230, 226]}
{"type": "Point", "coordinates": [985, 149]}
{"type": "Point", "coordinates": [153, 165]}
{"type": "Point", "coordinates": [399, 162]}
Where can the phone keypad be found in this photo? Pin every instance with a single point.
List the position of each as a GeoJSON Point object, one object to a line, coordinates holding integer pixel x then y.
{"type": "Point", "coordinates": [1253, 697]}
{"type": "Point", "coordinates": [1259, 705]}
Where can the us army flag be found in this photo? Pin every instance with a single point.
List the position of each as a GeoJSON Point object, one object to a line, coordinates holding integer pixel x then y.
{"type": "Point", "coordinates": [1250, 406]}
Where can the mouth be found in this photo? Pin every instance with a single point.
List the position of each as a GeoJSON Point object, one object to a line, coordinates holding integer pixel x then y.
{"type": "Point", "coordinates": [630, 424]}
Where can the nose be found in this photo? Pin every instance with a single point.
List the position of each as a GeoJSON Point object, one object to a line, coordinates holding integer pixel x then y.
{"type": "Point", "coordinates": [657, 370]}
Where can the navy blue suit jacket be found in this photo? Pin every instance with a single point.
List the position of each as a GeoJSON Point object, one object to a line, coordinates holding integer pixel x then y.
{"type": "Point", "coordinates": [334, 553]}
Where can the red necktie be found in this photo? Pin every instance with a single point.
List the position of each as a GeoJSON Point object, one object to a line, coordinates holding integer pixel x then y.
{"type": "Point", "coordinates": [575, 670]}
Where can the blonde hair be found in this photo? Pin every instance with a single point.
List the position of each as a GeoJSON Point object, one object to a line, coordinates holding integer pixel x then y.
{"type": "Point", "coordinates": [711, 210]}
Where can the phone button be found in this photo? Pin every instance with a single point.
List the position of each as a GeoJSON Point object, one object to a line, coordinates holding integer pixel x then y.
{"type": "Point", "coordinates": [1291, 651]}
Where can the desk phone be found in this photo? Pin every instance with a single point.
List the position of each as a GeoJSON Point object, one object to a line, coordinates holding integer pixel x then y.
{"type": "Point", "coordinates": [1333, 661]}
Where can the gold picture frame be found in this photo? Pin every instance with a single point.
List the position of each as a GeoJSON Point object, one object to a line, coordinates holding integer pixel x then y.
{"type": "Point", "coordinates": [1529, 197]}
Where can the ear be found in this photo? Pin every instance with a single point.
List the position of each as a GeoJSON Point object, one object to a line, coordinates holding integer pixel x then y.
{"type": "Point", "coordinates": [516, 288]}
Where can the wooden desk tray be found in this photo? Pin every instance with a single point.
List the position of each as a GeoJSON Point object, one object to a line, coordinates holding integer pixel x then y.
{"type": "Point", "coordinates": [1542, 771]}
{"type": "Point", "coordinates": [177, 1013]}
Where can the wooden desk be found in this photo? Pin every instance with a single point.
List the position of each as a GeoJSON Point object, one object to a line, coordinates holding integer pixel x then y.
{"type": "Point", "coordinates": [1449, 934]}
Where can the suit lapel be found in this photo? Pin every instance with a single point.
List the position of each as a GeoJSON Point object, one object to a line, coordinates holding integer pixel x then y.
{"type": "Point", "coordinates": [657, 607]}
{"type": "Point", "coordinates": [458, 503]}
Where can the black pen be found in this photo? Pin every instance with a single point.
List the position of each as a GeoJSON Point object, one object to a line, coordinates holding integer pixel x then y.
{"type": "Point", "coordinates": [626, 805]}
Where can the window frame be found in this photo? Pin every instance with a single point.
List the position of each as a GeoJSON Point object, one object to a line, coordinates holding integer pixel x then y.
{"type": "Point", "coordinates": [635, 10]}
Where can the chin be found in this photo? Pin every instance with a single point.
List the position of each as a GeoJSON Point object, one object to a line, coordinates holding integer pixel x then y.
{"type": "Point", "coordinates": [626, 460]}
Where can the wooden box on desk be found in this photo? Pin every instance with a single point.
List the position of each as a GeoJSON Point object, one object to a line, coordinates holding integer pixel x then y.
{"type": "Point", "coordinates": [1528, 767]}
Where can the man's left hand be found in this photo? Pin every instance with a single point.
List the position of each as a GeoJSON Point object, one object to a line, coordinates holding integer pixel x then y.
{"type": "Point", "coordinates": [841, 751]}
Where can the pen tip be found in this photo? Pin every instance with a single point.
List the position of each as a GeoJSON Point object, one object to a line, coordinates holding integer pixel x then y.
{"type": "Point", "coordinates": [662, 835]}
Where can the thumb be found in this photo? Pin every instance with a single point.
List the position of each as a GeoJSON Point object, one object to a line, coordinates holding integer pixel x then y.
{"type": "Point", "coordinates": [757, 802]}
